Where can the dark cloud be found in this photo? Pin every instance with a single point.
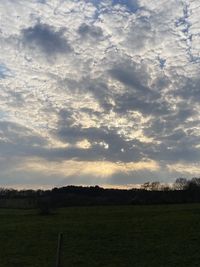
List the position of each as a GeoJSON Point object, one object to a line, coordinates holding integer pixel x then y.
{"type": "Point", "coordinates": [184, 112]}
{"type": "Point", "coordinates": [105, 143]}
{"type": "Point", "coordinates": [130, 76]}
{"type": "Point", "coordinates": [101, 92]}
{"type": "Point", "coordinates": [91, 31]}
{"type": "Point", "coordinates": [96, 87]}
{"type": "Point", "coordinates": [15, 133]}
{"type": "Point", "coordinates": [161, 83]}
{"type": "Point", "coordinates": [17, 140]}
{"type": "Point", "coordinates": [189, 90]}
{"type": "Point", "coordinates": [181, 152]}
{"type": "Point", "coordinates": [138, 95]}
{"type": "Point", "coordinates": [171, 122]}
{"type": "Point", "coordinates": [47, 39]}
{"type": "Point", "coordinates": [176, 140]}
{"type": "Point", "coordinates": [74, 134]}
{"type": "Point", "coordinates": [147, 105]}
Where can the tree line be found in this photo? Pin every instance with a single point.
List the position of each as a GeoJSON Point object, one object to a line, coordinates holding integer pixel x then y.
{"type": "Point", "coordinates": [181, 191]}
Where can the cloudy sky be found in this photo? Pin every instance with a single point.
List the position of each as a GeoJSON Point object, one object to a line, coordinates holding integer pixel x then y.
{"type": "Point", "coordinates": [99, 92]}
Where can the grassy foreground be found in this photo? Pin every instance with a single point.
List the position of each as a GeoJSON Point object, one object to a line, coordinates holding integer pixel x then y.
{"type": "Point", "coordinates": [103, 236]}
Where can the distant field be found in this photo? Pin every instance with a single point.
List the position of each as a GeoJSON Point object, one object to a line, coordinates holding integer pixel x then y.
{"type": "Point", "coordinates": [103, 236]}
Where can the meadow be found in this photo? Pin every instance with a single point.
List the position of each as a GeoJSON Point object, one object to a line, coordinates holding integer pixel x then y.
{"type": "Point", "coordinates": [111, 236]}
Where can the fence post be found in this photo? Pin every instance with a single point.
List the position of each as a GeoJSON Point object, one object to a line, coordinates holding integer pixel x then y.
{"type": "Point", "coordinates": [59, 248]}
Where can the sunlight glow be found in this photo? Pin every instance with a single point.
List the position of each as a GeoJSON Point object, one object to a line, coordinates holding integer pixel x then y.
{"type": "Point", "coordinates": [101, 169]}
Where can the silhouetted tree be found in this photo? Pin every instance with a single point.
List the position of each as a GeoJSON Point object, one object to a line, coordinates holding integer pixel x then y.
{"type": "Point", "coordinates": [180, 183]}
{"type": "Point", "coordinates": [146, 186]}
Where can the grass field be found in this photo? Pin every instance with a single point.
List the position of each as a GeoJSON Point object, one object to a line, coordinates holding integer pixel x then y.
{"type": "Point", "coordinates": [103, 236]}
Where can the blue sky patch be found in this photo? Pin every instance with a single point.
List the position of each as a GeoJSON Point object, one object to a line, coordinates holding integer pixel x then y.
{"type": "Point", "coordinates": [132, 5]}
{"type": "Point", "coordinates": [4, 71]}
{"type": "Point", "coordinates": [162, 62]}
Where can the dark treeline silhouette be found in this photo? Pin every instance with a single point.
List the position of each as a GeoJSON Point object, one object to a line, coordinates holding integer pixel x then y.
{"type": "Point", "coordinates": [182, 191]}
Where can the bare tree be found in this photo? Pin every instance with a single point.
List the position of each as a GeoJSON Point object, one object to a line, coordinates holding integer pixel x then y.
{"type": "Point", "coordinates": [180, 183]}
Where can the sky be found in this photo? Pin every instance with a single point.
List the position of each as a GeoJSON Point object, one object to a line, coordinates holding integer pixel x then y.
{"type": "Point", "coordinates": [99, 92]}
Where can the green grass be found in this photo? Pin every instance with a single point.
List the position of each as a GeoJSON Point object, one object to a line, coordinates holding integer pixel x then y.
{"type": "Point", "coordinates": [103, 236]}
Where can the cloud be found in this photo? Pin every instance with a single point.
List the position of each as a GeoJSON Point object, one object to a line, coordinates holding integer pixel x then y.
{"type": "Point", "coordinates": [189, 90]}
{"type": "Point", "coordinates": [45, 37]}
{"type": "Point", "coordinates": [18, 141]}
{"type": "Point", "coordinates": [130, 76]}
{"type": "Point", "coordinates": [188, 169]}
{"type": "Point", "coordinates": [92, 31]}
{"type": "Point", "coordinates": [77, 172]}
{"type": "Point", "coordinates": [106, 144]}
